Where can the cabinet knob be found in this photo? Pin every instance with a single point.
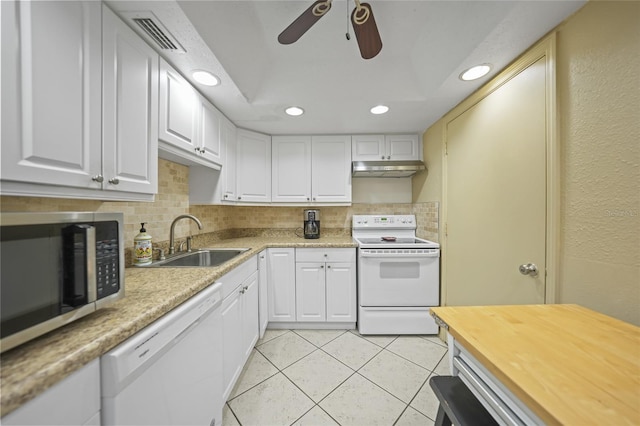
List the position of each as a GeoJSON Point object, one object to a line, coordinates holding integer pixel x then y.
{"type": "Point", "coordinates": [242, 291]}
{"type": "Point", "coordinates": [321, 266]}
{"type": "Point", "coordinates": [239, 198]}
{"type": "Point", "coordinates": [203, 150]}
{"type": "Point", "coordinates": [308, 198]}
{"type": "Point", "coordinates": [314, 198]}
{"type": "Point", "coordinates": [328, 266]}
{"type": "Point", "coordinates": [382, 157]}
{"type": "Point", "coordinates": [98, 178]}
{"type": "Point", "coordinates": [226, 195]}
{"type": "Point", "coordinates": [114, 181]}
{"type": "Point", "coordinates": [388, 157]}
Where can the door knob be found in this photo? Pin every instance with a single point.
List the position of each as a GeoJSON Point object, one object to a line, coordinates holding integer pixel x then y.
{"type": "Point", "coordinates": [529, 269]}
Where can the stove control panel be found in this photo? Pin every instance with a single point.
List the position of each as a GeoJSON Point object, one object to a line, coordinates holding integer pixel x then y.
{"type": "Point", "coordinates": [382, 221]}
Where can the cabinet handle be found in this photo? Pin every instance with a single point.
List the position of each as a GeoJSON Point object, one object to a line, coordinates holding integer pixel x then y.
{"type": "Point", "coordinates": [114, 181]}
{"type": "Point", "coordinates": [388, 157]}
{"type": "Point", "coordinates": [98, 178]}
{"type": "Point", "coordinates": [261, 257]}
{"type": "Point", "coordinates": [382, 157]}
{"type": "Point", "coordinates": [242, 291]}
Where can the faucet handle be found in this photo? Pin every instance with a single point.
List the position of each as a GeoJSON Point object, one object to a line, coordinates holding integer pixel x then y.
{"type": "Point", "coordinates": [189, 240]}
{"type": "Point", "coordinates": [181, 246]}
{"type": "Point", "coordinates": [161, 255]}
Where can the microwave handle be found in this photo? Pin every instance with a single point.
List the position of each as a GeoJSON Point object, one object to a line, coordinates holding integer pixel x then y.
{"type": "Point", "coordinates": [92, 283]}
{"type": "Point", "coordinates": [80, 278]}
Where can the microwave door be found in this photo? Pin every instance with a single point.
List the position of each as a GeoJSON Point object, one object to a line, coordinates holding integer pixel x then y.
{"type": "Point", "coordinates": [78, 265]}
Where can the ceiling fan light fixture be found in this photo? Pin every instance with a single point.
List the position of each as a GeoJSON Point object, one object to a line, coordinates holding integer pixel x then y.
{"type": "Point", "coordinates": [475, 73]}
{"type": "Point", "coordinates": [379, 109]}
{"type": "Point", "coordinates": [205, 78]}
{"type": "Point", "coordinates": [294, 111]}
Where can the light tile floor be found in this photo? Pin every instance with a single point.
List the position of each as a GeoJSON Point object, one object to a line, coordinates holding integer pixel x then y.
{"type": "Point", "coordinates": [337, 377]}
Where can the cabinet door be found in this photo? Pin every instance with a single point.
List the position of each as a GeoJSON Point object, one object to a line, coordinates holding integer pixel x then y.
{"type": "Point", "coordinates": [130, 109]}
{"type": "Point", "coordinates": [263, 303]}
{"type": "Point", "coordinates": [282, 284]}
{"type": "Point", "coordinates": [210, 142]}
{"type": "Point", "coordinates": [73, 401]}
{"type": "Point", "coordinates": [51, 92]}
{"type": "Point", "coordinates": [291, 169]}
{"type": "Point", "coordinates": [331, 169]}
{"type": "Point", "coordinates": [231, 340]}
{"type": "Point", "coordinates": [178, 110]}
{"type": "Point", "coordinates": [253, 161]}
{"type": "Point", "coordinates": [310, 292]}
{"type": "Point", "coordinates": [403, 147]}
{"type": "Point", "coordinates": [368, 147]}
{"type": "Point", "coordinates": [228, 172]}
{"type": "Point", "coordinates": [341, 292]}
{"type": "Point", "coordinates": [249, 315]}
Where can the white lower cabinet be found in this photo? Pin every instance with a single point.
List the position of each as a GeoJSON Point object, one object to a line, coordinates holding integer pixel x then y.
{"type": "Point", "coordinates": [239, 323]}
{"type": "Point", "coordinates": [263, 292]}
{"type": "Point", "coordinates": [73, 401]}
{"type": "Point", "coordinates": [281, 273]}
{"type": "Point", "coordinates": [326, 285]}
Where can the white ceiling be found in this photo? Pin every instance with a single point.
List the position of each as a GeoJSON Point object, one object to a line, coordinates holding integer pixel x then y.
{"type": "Point", "coordinates": [426, 45]}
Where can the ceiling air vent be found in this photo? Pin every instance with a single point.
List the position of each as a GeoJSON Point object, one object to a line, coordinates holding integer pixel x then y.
{"type": "Point", "coordinates": [154, 31]}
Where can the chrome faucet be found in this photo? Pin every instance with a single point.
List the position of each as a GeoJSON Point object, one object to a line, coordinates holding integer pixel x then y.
{"type": "Point", "coordinates": [172, 249]}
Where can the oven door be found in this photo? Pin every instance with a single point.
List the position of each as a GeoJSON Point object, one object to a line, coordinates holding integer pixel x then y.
{"type": "Point", "coordinates": [398, 277]}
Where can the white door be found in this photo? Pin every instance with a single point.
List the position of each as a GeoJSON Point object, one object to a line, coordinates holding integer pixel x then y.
{"type": "Point", "coordinates": [51, 92]}
{"type": "Point", "coordinates": [253, 162]}
{"type": "Point", "coordinates": [210, 144]}
{"type": "Point", "coordinates": [249, 315]}
{"type": "Point", "coordinates": [331, 169]}
{"type": "Point", "coordinates": [130, 109]}
{"type": "Point", "coordinates": [496, 195]}
{"type": "Point", "coordinates": [263, 303]}
{"type": "Point", "coordinates": [178, 110]}
{"type": "Point", "coordinates": [291, 169]}
{"type": "Point", "coordinates": [341, 292]}
{"type": "Point", "coordinates": [282, 284]}
{"type": "Point", "coordinates": [403, 147]}
{"type": "Point", "coordinates": [310, 292]}
{"type": "Point", "coordinates": [231, 340]}
{"type": "Point", "coordinates": [368, 148]}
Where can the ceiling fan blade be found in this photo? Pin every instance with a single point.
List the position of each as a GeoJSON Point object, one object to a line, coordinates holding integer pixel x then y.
{"type": "Point", "coordinates": [364, 25]}
{"type": "Point", "coordinates": [305, 21]}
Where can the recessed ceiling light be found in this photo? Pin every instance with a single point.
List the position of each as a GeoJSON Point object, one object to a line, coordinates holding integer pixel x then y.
{"type": "Point", "coordinates": [206, 78]}
{"type": "Point", "coordinates": [476, 72]}
{"type": "Point", "coordinates": [379, 109]}
{"type": "Point", "coordinates": [294, 111]}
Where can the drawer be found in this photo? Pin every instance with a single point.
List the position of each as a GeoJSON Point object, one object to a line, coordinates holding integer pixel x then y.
{"type": "Point", "coordinates": [347, 255]}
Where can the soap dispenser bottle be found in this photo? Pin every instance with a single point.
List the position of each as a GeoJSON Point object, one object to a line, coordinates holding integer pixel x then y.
{"type": "Point", "coordinates": [142, 247]}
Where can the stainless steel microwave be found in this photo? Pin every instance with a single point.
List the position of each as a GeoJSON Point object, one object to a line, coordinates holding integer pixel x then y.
{"type": "Point", "coordinates": [56, 268]}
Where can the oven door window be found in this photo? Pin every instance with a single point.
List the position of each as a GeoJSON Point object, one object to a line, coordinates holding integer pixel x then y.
{"type": "Point", "coordinates": [400, 270]}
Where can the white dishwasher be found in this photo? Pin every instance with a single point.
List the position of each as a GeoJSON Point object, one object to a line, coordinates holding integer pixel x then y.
{"type": "Point", "coordinates": [169, 373]}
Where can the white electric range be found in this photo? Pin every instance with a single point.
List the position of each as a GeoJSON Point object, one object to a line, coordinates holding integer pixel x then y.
{"type": "Point", "coordinates": [398, 276]}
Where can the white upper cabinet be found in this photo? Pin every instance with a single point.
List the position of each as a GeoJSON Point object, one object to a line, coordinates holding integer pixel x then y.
{"type": "Point", "coordinates": [78, 102]}
{"type": "Point", "coordinates": [386, 147]}
{"type": "Point", "coordinates": [228, 137]}
{"type": "Point", "coordinates": [311, 169]}
{"type": "Point", "coordinates": [210, 141]}
{"type": "Point", "coordinates": [253, 167]}
{"type": "Point", "coordinates": [130, 109]}
{"type": "Point", "coordinates": [291, 169]}
{"type": "Point", "coordinates": [189, 128]}
{"type": "Point", "coordinates": [51, 100]}
{"type": "Point", "coordinates": [178, 109]}
{"type": "Point", "coordinates": [331, 169]}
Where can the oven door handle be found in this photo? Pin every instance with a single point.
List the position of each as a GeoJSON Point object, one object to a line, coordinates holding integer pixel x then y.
{"type": "Point", "coordinates": [399, 254]}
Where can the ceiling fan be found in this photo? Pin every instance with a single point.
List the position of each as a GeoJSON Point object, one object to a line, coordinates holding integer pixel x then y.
{"type": "Point", "coordinates": [364, 25]}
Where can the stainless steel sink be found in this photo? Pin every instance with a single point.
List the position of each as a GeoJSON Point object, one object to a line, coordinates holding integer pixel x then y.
{"type": "Point", "coordinates": [200, 258]}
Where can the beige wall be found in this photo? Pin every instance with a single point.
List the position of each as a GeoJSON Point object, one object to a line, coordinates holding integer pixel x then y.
{"type": "Point", "coordinates": [599, 135]}
{"type": "Point", "coordinates": [173, 200]}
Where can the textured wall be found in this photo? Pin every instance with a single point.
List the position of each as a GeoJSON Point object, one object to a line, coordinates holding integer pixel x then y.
{"type": "Point", "coordinates": [599, 135]}
{"type": "Point", "coordinates": [599, 107]}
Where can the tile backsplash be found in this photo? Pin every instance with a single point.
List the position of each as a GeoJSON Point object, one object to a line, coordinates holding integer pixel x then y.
{"type": "Point", "coordinates": [173, 200]}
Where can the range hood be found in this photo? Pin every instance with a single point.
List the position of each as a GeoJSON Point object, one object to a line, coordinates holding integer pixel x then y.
{"type": "Point", "coordinates": [389, 169]}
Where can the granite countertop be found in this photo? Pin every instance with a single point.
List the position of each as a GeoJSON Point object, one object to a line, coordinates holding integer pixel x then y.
{"type": "Point", "coordinates": [33, 367]}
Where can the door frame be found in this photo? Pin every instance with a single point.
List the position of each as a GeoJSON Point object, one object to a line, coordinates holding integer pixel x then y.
{"type": "Point", "coordinates": [546, 48]}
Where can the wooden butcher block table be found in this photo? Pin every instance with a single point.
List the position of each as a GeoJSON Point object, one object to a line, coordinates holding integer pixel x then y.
{"type": "Point", "coordinates": [553, 364]}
